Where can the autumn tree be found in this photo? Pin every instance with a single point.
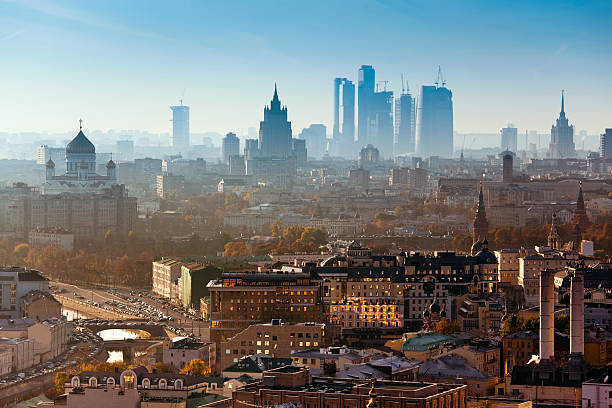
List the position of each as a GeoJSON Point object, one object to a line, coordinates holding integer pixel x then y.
{"type": "Point", "coordinates": [562, 323]}
{"type": "Point", "coordinates": [515, 323]}
{"type": "Point", "coordinates": [293, 233]}
{"type": "Point", "coordinates": [236, 248]}
{"type": "Point", "coordinates": [196, 367]}
{"type": "Point", "coordinates": [21, 251]}
{"type": "Point", "coordinates": [61, 378]}
{"type": "Point", "coordinates": [264, 248]}
{"type": "Point", "coordinates": [108, 238]}
{"type": "Point", "coordinates": [446, 326]}
{"type": "Point", "coordinates": [276, 229]}
{"type": "Point", "coordinates": [314, 236]}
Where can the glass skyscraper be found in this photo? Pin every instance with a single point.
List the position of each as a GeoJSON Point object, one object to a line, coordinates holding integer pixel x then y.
{"type": "Point", "coordinates": [405, 124]}
{"type": "Point", "coordinates": [435, 122]}
{"type": "Point", "coordinates": [344, 113]}
{"type": "Point", "coordinates": [365, 92]}
{"type": "Point", "coordinates": [180, 126]}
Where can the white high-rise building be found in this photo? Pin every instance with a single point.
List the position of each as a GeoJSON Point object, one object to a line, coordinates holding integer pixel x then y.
{"type": "Point", "coordinates": [180, 126]}
{"type": "Point", "coordinates": [509, 137]}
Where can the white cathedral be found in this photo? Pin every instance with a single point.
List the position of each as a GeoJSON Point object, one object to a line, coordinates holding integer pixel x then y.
{"type": "Point", "coordinates": [80, 176]}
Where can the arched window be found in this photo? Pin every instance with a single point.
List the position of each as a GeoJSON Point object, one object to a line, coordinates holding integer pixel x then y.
{"type": "Point", "coordinates": [178, 384]}
{"type": "Point", "coordinates": [76, 382]}
{"type": "Point", "coordinates": [128, 378]}
{"type": "Point", "coordinates": [146, 383]}
{"type": "Point", "coordinates": [93, 382]}
{"type": "Point", "coordinates": [162, 384]}
{"type": "Point", "coordinates": [110, 381]}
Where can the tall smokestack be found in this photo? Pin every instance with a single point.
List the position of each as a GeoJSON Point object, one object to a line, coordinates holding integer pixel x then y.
{"type": "Point", "coordinates": [577, 313]}
{"type": "Point", "coordinates": [547, 314]}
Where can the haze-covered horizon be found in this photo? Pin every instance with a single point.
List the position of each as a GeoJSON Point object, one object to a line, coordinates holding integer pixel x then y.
{"type": "Point", "coordinates": [120, 65]}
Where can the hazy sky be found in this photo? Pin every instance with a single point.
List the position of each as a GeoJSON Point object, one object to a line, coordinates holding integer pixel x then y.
{"type": "Point", "coordinates": [120, 64]}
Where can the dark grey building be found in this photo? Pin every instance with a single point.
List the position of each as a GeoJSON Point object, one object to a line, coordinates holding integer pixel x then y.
{"type": "Point", "coordinates": [434, 136]}
{"type": "Point", "coordinates": [605, 145]}
{"type": "Point", "coordinates": [251, 148]}
{"type": "Point", "coordinates": [365, 91]}
{"type": "Point", "coordinates": [405, 124]}
{"type": "Point", "coordinates": [275, 130]}
{"type": "Point", "coordinates": [315, 136]}
{"type": "Point", "coordinates": [299, 151]}
{"type": "Point", "coordinates": [344, 113]}
{"type": "Point", "coordinates": [375, 116]}
{"type": "Point", "coordinates": [380, 122]}
{"type": "Point", "coordinates": [237, 165]}
{"type": "Point", "coordinates": [230, 146]}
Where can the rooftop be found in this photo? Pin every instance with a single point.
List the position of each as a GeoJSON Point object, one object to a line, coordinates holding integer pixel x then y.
{"type": "Point", "coordinates": [525, 334]}
{"type": "Point", "coordinates": [425, 341]}
{"type": "Point", "coordinates": [258, 363]}
{"type": "Point", "coordinates": [450, 366]}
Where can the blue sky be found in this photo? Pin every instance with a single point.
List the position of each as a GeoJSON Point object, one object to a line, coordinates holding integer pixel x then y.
{"type": "Point", "coordinates": [120, 64]}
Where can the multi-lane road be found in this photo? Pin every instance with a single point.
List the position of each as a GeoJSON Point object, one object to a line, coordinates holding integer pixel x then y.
{"type": "Point", "coordinates": [123, 303]}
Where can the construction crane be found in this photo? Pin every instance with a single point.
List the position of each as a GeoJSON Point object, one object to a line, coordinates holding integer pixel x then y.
{"type": "Point", "coordinates": [405, 86]}
{"type": "Point", "coordinates": [382, 82]}
{"type": "Point", "coordinates": [440, 79]}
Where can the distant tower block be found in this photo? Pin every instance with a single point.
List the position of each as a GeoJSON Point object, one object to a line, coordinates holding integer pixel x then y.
{"type": "Point", "coordinates": [547, 313]}
{"type": "Point", "coordinates": [507, 163]}
{"type": "Point", "coordinates": [180, 126]}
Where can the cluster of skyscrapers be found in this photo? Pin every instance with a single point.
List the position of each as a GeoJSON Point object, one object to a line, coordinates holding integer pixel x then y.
{"type": "Point", "coordinates": [393, 125]}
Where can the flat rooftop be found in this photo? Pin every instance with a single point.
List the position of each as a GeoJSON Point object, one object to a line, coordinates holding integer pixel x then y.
{"type": "Point", "coordinates": [404, 389]}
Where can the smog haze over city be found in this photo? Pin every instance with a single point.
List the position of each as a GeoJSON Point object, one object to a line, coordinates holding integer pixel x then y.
{"type": "Point", "coordinates": [305, 204]}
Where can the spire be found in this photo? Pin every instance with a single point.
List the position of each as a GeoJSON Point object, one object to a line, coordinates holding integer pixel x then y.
{"type": "Point", "coordinates": [580, 201]}
{"type": "Point", "coordinates": [480, 201]}
{"type": "Point", "coordinates": [553, 236]}
{"type": "Point", "coordinates": [562, 102]}
{"type": "Point", "coordinates": [581, 218]}
{"type": "Point", "coordinates": [80, 124]}
{"type": "Point", "coordinates": [481, 224]}
{"type": "Point", "coordinates": [275, 103]}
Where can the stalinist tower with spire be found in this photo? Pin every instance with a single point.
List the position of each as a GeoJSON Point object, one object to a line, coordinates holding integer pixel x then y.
{"type": "Point", "coordinates": [275, 136]}
{"type": "Point", "coordinates": [562, 136]}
